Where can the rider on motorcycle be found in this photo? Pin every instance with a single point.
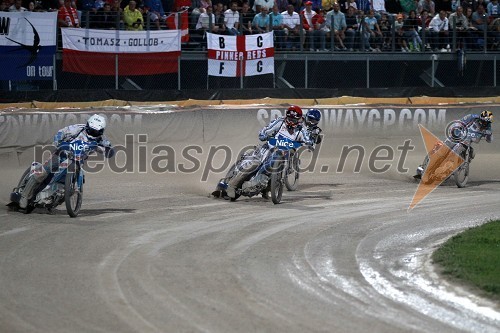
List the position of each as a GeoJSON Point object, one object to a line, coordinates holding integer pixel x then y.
{"type": "Point", "coordinates": [288, 127]}
{"type": "Point", "coordinates": [471, 128]}
{"type": "Point", "coordinates": [311, 120]}
{"type": "Point", "coordinates": [93, 130]}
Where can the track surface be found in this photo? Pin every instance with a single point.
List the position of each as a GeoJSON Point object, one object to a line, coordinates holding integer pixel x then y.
{"type": "Point", "coordinates": [154, 253]}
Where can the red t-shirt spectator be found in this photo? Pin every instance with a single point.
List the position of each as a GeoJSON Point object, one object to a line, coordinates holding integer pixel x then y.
{"type": "Point", "coordinates": [68, 16]}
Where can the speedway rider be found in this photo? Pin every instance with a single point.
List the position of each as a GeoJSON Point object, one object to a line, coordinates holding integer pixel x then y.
{"type": "Point", "coordinates": [311, 120]}
{"type": "Point", "coordinates": [471, 128]}
{"type": "Point", "coordinates": [283, 127]}
{"type": "Point", "coordinates": [92, 131]}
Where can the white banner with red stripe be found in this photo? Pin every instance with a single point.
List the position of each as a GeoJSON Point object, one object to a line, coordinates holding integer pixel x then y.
{"type": "Point", "coordinates": [235, 56]}
{"type": "Point", "coordinates": [97, 52]}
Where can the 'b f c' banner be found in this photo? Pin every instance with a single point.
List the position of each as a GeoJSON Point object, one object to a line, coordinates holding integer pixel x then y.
{"type": "Point", "coordinates": [27, 45]}
{"type": "Point", "coordinates": [235, 56]}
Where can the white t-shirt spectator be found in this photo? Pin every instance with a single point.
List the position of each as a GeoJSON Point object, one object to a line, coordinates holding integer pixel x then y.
{"type": "Point", "coordinates": [231, 18]}
{"type": "Point", "coordinates": [291, 21]}
{"type": "Point", "coordinates": [263, 3]}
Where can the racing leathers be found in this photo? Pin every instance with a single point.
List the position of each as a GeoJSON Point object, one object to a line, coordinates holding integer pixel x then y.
{"type": "Point", "coordinates": [469, 129]}
{"type": "Point", "coordinates": [66, 134]}
{"type": "Point", "coordinates": [261, 156]}
{"type": "Point", "coordinates": [314, 134]}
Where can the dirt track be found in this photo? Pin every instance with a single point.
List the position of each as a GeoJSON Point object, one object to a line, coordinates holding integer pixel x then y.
{"type": "Point", "coordinates": [154, 253]}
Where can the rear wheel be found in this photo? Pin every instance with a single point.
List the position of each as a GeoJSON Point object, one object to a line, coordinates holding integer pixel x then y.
{"type": "Point", "coordinates": [277, 182]}
{"type": "Point", "coordinates": [462, 175]}
{"type": "Point", "coordinates": [292, 174]}
{"type": "Point", "coordinates": [72, 194]}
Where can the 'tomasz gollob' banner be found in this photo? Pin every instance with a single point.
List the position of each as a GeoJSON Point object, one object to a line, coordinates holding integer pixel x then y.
{"type": "Point", "coordinates": [100, 52]}
{"type": "Point", "coordinates": [235, 56]}
{"type": "Point", "coordinates": [27, 45]}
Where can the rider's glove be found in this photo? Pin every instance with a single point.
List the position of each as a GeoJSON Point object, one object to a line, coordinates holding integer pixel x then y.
{"type": "Point", "coordinates": [262, 137]}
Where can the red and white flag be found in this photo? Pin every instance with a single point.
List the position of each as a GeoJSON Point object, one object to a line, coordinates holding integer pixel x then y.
{"type": "Point", "coordinates": [98, 52]}
{"type": "Point", "coordinates": [173, 22]}
{"type": "Point", "coordinates": [235, 56]}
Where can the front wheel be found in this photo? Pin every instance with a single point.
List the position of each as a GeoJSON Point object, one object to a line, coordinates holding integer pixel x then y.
{"type": "Point", "coordinates": [72, 194]}
{"type": "Point", "coordinates": [292, 174]}
{"type": "Point", "coordinates": [462, 175]}
{"type": "Point", "coordinates": [277, 182]}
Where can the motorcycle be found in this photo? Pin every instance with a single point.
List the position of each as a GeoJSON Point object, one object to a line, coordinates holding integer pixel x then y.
{"type": "Point", "coordinates": [63, 186]}
{"type": "Point", "coordinates": [460, 175]}
{"type": "Point", "coordinates": [283, 164]}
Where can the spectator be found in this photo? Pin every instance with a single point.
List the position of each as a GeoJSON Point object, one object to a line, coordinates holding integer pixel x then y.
{"type": "Point", "coordinates": [132, 17]}
{"type": "Point", "coordinates": [67, 16]}
{"type": "Point", "coordinates": [307, 15]}
{"type": "Point", "coordinates": [297, 5]}
{"type": "Point", "coordinates": [480, 25]}
{"type": "Point", "coordinates": [400, 33]}
{"type": "Point", "coordinates": [205, 20]}
{"type": "Point", "coordinates": [385, 28]}
{"type": "Point", "coordinates": [17, 7]}
{"type": "Point", "coordinates": [339, 26]}
{"type": "Point", "coordinates": [278, 27]}
{"type": "Point", "coordinates": [393, 6]}
{"type": "Point", "coordinates": [258, 4]}
{"type": "Point", "coordinates": [371, 31]}
{"type": "Point", "coordinates": [379, 7]}
{"type": "Point", "coordinates": [443, 5]}
{"type": "Point", "coordinates": [364, 5]}
{"type": "Point", "coordinates": [352, 28]}
{"type": "Point", "coordinates": [260, 21]}
{"type": "Point", "coordinates": [460, 24]}
{"type": "Point", "coordinates": [105, 18]}
{"type": "Point", "coordinates": [327, 5]}
{"type": "Point", "coordinates": [232, 19]}
{"type": "Point", "coordinates": [438, 32]}
{"type": "Point", "coordinates": [291, 23]}
{"type": "Point", "coordinates": [469, 4]}
{"type": "Point", "coordinates": [423, 25]}
{"type": "Point", "coordinates": [493, 9]}
{"type": "Point", "coordinates": [411, 31]}
{"type": "Point", "coordinates": [350, 3]}
{"type": "Point", "coordinates": [321, 30]}
{"type": "Point", "coordinates": [282, 5]}
{"type": "Point", "coordinates": [427, 5]}
{"type": "Point", "coordinates": [154, 12]}
{"type": "Point", "coordinates": [219, 18]}
{"type": "Point", "coordinates": [408, 5]}
{"type": "Point", "coordinates": [495, 33]}
{"type": "Point", "coordinates": [87, 5]}
{"type": "Point", "coordinates": [247, 16]}
{"type": "Point", "coordinates": [99, 4]}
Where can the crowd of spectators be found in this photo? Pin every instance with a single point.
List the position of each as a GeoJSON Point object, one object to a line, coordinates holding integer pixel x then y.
{"type": "Point", "coordinates": [314, 25]}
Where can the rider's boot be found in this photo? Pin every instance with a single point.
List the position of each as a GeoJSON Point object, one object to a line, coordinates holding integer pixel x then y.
{"type": "Point", "coordinates": [230, 191]}
{"type": "Point", "coordinates": [27, 193]}
{"type": "Point", "coordinates": [37, 177]}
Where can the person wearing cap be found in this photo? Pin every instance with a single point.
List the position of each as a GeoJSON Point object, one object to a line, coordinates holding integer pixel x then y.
{"type": "Point", "coordinates": [307, 23]}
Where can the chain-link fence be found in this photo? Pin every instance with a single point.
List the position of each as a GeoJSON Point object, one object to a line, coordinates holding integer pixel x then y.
{"type": "Point", "coordinates": [299, 70]}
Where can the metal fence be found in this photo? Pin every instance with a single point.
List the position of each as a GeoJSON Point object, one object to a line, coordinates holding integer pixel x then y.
{"type": "Point", "coordinates": [300, 68]}
{"type": "Point", "coordinates": [295, 70]}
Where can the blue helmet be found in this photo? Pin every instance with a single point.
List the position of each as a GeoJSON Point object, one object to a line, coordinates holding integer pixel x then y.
{"type": "Point", "coordinates": [313, 117]}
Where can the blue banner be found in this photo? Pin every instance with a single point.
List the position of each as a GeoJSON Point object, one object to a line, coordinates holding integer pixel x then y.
{"type": "Point", "coordinates": [27, 45]}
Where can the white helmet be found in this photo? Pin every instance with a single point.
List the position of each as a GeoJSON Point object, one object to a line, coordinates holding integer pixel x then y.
{"type": "Point", "coordinates": [95, 126]}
